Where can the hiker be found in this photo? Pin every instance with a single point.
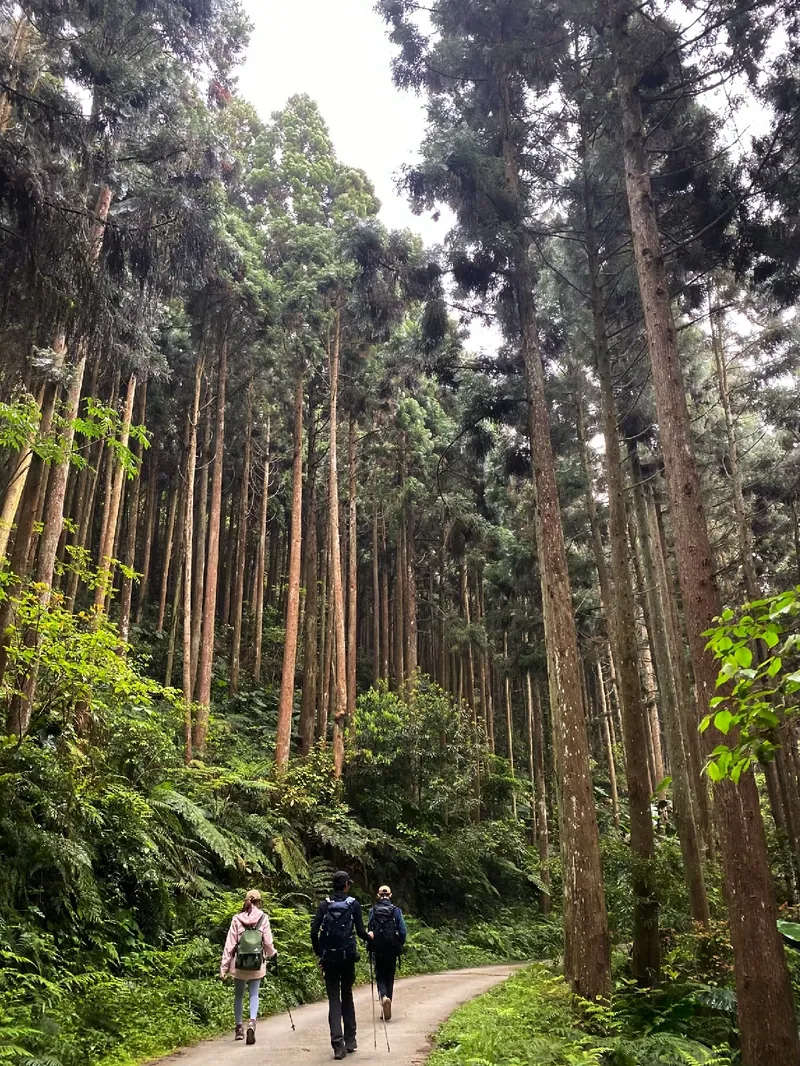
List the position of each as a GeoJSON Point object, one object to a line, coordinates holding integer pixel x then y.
{"type": "Point", "coordinates": [244, 956]}
{"type": "Point", "coordinates": [388, 928]}
{"type": "Point", "coordinates": [333, 937]}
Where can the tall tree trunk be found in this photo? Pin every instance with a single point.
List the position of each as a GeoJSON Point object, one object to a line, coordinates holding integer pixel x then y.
{"type": "Point", "coordinates": [587, 959]}
{"type": "Point", "coordinates": [13, 494]}
{"type": "Point", "coordinates": [188, 562]}
{"type": "Point", "coordinates": [241, 549]}
{"type": "Point", "coordinates": [201, 530]}
{"type": "Point", "coordinates": [106, 555]}
{"type": "Point", "coordinates": [608, 744]}
{"type": "Point", "coordinates": [352, 576]}
{"type": "Point", "coordinates": [646, 962]}
{"type": "Point", "coordinates": [150, 527]}
{"type": "Point", "coordinates": [717, 323]}
{"type": "Point", "coordinates": [678, 758]}
{"type": "Point", "coordinates": [399, 615]}
{"type": "Point", "coordinates": [767, 1020]}
{"type": "Point", "coordinates": [509, 724]}
{"type": "Point", "coordinates": [129, 559]}
{"type": "Point", "coordinates": [326, 642]}
{"type": "Point", "coordinates": [697, 780]}
{"type": "Point", "coordinates": [337, 579]}
{"type": "Point", "coordinates": [376, 598]}
{"type": "Point", "coordinates": [169, 547]}
{"type": "Point", "coordinates": [545, 900]}
{"type": "Point", "coordinates": [385, 613]}
{"type": "Point", "coordinates": [308, 705]}
{"type": "Point", "coordinates": [283, 736]}
{"type": "Point", "coordinates": [261, 567]}
{"type": "Point", "coordinates": [205, 664]}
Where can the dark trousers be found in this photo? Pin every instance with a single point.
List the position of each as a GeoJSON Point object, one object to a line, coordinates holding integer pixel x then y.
{"type": "Point", "coordinates": [339, 980]}
{"type": "Point", "coordinates": [385, 969]}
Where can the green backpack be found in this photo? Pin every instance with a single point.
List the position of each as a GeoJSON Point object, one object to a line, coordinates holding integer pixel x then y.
{"type": "Point", "coordinates": [250, 949]}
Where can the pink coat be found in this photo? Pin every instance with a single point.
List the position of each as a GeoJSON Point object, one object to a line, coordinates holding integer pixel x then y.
{"type": "Point", "coordinates": [243, 920]}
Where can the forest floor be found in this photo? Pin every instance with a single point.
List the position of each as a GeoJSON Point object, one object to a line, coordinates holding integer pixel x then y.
{"type": "Point", "coordinates": [421, 1005]}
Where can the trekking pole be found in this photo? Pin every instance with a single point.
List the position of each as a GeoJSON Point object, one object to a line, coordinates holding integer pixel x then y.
{"type": "Point", "coordinates": [372, 997]}
{"type": "Point", "coordinates": [284, 996]}
{"type": "Point", "coordinates": [385, 1030]}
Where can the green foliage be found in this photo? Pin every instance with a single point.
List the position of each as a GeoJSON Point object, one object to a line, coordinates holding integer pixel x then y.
{"type": "Point", "coordinates": [533, 1020]}
{"type": "Point", "coordinates": [759, 681]}
{"type": "Point", "coordinates": [413, 779]}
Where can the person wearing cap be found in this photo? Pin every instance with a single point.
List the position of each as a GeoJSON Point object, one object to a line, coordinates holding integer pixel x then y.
{"type": "Point", "coordinates": [388, 929]}
{"type": "Point", "coordinates": [334, 928]}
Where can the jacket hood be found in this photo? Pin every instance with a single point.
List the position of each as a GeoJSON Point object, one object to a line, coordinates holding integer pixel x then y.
{"type": "Point", "coordinates": [251, 917]}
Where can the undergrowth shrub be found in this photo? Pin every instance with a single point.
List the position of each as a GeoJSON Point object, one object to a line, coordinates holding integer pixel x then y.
{"type": "Point", "coordinates": [533, 1020]}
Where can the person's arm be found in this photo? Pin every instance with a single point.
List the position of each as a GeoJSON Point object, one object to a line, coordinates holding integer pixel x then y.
{"type": "Point", "coordinates": [266, 939]}
{"type": "Point", "coordinates": [401, 927]}
{"type": "Point", "coordinates": [230, 948]}
{"type": "Point", "coordinates": [358, 921]}
{"type": "Point", "coordinates": [316, 924]}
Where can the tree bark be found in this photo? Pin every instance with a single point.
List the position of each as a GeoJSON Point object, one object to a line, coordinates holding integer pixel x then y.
{"type": "Point", "coordinates": [646, 962]}
{"type": "Point", "coordinates": [205, 664]}
{"type": "Point", "coordinates": [169, 547]}
{"type": "Point", "coordinates": [308, 705]}
{"type": "Point", "coordinates": [678, 759]}
{"type": "Point", "coordinates": [587, 959]}
{"type": "Point", "coordinates": [744, 536]}
{"type": "Point", "coordinates": [352, 577]}
{"type": "Point", "coordinates": [337, 579]}
{"type": "Point", "coordinates": [376, 598]}
{"type": "Point", "coordinates": [283, 736]}
{"type": "Point", "coordinates": [509, 724]}
{"type": "Point", "coordinates": [608, 744]}
{"type": "Point", "coordinates": [767, 1022]}
{"type": "Point", "coordinates": [545, 900]}
{"type": "Point", "coordinates": [126, 597]}
{"type": "Point", "coordinates": [106, 555]}
{"type": "Point", "coordinates": [262, 561]}
{"type": "Point", "coordinates": [241, 550]}
{"type": "Point", "coordinates": [188, 562]}
{"type": "Point", "coordinates": [201, 530]}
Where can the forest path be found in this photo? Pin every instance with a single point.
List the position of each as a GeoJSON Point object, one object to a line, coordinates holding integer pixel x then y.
{"type": "Point", "coordinates": [421, 1004]}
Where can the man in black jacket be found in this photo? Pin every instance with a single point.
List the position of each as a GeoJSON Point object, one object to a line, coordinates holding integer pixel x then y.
{"type": "Point", "coordinates": [387, 928]}
{"type": "Point", "coordinates": [334, 929]}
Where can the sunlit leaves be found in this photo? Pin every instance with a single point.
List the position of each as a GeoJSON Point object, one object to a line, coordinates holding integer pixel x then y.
{"type": "Point", "coordinates": [758, 679]}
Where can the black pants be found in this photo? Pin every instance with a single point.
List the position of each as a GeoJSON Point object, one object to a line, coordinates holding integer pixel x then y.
{"type": "Point", "coordinates": [385, 969]}
{"type": "Point", "coordinates": [339, 980]}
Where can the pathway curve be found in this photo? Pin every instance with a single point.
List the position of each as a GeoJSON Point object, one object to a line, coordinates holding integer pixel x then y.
{"type": "Point", "coordinates": [421, 1004]}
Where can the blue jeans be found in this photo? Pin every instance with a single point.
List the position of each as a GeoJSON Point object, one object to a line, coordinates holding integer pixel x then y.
{"type": "Point", "coordinates": [238, 1000]}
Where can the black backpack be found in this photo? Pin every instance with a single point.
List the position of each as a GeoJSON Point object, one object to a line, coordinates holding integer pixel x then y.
{"type": "Point", "coordinates": [383, 924]}
{"type": "Point", "coordinates": [337, 932]}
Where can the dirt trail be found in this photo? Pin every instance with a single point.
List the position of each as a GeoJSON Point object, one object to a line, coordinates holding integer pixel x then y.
{"type": "Point", "coordinates": [421, 1004]}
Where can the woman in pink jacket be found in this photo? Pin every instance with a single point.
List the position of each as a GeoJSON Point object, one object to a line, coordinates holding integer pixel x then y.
{"type": "Point", "coordinates": [250, 918]}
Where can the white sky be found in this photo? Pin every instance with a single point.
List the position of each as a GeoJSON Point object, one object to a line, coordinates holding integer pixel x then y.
{"type": "Point", "coordinates": [337, 52]}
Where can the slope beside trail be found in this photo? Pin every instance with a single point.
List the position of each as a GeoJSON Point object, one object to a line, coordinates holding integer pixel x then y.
{"type": "Point", "coordinates": [421, 1004]}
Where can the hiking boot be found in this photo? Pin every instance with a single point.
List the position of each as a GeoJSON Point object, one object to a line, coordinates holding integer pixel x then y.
{"type": "Point", "coordinates": [351, 1046]}
{"type": "Point", "coordinates": [239, 1031]}
{"type": "Point", "coordinates": [340, 1052]}
{"type": "Point", "coordinates": [251, 1031]}
{"type": "Point", "coordinates": [386, 1005]}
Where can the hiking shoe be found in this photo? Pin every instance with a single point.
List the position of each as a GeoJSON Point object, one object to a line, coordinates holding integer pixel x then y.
{"type": "Point", "coordinates": [251, 1031]}
{"type": "Point", "coordinates": [239, 1032]}
{"type": "Point", "coordinates": [386, 1004]}
{"type": "Point", "coordinates": [351, 1046]}
{"type": "Point", "coordinates": [340, 1052]}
